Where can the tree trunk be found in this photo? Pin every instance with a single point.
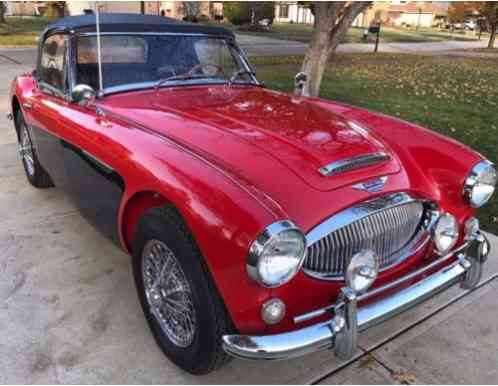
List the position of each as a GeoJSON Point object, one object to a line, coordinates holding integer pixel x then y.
{"type": "Point", "coordinates": [492, 37]}
{"type": "Point", "coordinates": [332, 21]}
{"type": "Point", "coordinates": [318, 53]}
{"type": "Point", "coordinates": [3, 10]}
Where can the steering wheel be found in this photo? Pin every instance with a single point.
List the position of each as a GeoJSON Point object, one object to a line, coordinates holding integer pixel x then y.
{"type": "Point", "coordinates": [219, 69]}
{"type": "Point", "coordinates": [166, 69]}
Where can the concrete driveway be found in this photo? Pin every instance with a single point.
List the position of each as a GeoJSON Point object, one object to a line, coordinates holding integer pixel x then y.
{"type": "Point", "coordinates": [69, 313]}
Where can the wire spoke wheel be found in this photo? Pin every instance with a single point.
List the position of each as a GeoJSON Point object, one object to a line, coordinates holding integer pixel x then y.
{"type": "Point", "coordinates": [26, 150]}
{"type": "Point", "coordinates": [168, 293]}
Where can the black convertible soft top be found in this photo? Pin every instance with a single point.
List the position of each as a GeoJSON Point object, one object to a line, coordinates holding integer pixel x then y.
{"type": "Point", "coordinates": [124, 22]}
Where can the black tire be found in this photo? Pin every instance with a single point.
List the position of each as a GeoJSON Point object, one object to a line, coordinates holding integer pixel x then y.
{"type": "Point", "coordinates": [35, 173]}
{"type": "Point", "coordinates": [205, 353]}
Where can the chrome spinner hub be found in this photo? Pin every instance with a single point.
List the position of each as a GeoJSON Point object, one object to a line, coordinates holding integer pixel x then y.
{"type": "Point", "coordinates": [168, 293]}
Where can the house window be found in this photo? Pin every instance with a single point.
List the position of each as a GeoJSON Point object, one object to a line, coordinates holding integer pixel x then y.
{"type": "Point", "coordinates": [283, 11]}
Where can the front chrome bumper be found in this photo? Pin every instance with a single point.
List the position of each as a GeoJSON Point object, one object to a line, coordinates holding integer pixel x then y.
{"type": "Point", "coordinates": [341, 331]}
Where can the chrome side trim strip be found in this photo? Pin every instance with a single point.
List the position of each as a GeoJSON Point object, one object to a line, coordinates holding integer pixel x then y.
{"type": "Point", "coordinates": [353, 163]}
{"type": "Point", "coordinates": [105, 166]}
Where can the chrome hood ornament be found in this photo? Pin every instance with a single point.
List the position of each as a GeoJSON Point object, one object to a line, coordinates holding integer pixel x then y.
{"type": "Point", "coordinates": [353, 163]}
{"type": "Point", "coordinates": [372, 186]}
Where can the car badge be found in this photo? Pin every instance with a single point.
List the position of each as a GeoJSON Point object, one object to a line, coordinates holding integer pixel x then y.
{"type": "Point", "coordinates": [372, 186]}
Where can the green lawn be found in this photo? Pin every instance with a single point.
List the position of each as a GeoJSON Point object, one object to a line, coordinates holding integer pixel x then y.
{"type": "Point", "coordinates": [18, 31]}
{"type": "Point", "coordinates": [302, 33]}
{"type": "Point", "coordinates": [456, 97]}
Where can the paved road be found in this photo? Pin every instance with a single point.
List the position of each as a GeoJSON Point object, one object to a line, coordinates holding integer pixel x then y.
{"type": "Point", "coordinates": [256, 45]}
{"type": "Point", "coordinates": [69, 313]}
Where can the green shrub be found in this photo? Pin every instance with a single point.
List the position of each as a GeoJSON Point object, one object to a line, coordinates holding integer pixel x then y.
{"type": "Point", "coordinates": [237, 12]}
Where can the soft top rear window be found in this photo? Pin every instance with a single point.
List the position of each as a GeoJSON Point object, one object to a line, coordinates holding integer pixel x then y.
{"type": "Point", "coordinates": [148, 59]}
{"type": "Point", "coordinates": [115, 49]}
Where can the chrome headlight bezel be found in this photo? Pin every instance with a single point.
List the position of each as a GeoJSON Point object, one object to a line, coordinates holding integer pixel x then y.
{"type": "Point", "coordinates": [472, 181]}
{"type": "Point", "coordinates": [265, 239]}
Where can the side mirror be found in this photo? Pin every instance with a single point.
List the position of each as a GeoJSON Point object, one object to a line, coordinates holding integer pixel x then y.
{"type": "Point", "coordinates": [83, 94]}
{"type": "Point", "coordinates": [299, 81]}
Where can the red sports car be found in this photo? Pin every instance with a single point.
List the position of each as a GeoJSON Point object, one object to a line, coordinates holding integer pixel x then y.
{"type": "Point", "coordinates": [261, 224]}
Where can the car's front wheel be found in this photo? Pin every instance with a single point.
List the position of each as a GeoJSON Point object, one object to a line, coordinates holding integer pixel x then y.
{"type": "Point", "coordinates": [178, 297]}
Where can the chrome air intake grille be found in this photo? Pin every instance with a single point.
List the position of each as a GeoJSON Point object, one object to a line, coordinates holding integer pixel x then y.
{"type": "Point", "coordinates": [353, 163]}
{"type": "Point", "coordinates": [382, 225]}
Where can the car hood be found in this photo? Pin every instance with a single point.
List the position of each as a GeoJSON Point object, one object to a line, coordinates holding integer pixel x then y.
{"type": "Point", "coordinates": [246, 128]}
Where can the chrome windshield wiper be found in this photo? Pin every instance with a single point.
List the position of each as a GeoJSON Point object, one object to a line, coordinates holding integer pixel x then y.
{"type": "Point", "coordinates": [238, 73]}
{"type": "Point", "coordinates": [191, 74]}
{"type": "Point", "coordinates": [160, 82]}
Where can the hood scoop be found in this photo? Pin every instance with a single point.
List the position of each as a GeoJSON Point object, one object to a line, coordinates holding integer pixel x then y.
{"type": "Point", "coordinates": [353, 163]}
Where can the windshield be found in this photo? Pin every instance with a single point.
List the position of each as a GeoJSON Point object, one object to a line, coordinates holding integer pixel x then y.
{"type": "Point", "coordinates": [159, 60]}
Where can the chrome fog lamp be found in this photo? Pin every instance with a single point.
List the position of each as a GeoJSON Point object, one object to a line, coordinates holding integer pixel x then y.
{"type": "Point", "coordinates": [471, 227]}
{"type": "Point", "coordinates": [362, 270]}
{"type": "Point", "coordinates": [273, 311]}
{"type": "Point", "coordinates": [277, 254]}
{"type": "Point", "coordinates": [480, 184]}
{"type": "Point", "coordinates": [445, 233]}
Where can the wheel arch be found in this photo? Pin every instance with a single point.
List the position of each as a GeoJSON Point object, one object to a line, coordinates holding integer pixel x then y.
{"type": "Point", "coordinates": [132, 210]}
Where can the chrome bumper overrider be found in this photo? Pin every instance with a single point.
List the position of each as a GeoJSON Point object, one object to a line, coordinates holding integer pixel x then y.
{"type": "Point", "coordinates": [341, 331]}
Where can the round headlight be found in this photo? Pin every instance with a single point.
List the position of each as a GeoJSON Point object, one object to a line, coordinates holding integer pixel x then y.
{"type": "Point", "coordinates": [362, 271]}
{"type": "Point", "coordinates": [277, 254]}
{"type": "Point", "coordinates": [445, 233]}
{"type": "Point", "coordinates": [480, 184]}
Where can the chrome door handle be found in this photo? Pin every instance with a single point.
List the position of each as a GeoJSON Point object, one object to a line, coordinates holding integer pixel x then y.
{"type": "Point", "coordinates": [27, 105]}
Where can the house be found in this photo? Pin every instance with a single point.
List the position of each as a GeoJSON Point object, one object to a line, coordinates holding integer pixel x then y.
{"type": "Point", "coordinates": [395, 13]}
{"type": "Point", "coordinates": [405, 13]}
{"type": "Point", "coordinates": [292, 12]}
{"type": "Point", "coordinates": [173, 9]}
{"type": "Point", "coordinates": [23, 8]}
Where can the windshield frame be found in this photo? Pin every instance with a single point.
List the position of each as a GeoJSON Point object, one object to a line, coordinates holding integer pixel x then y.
{"type": "Point", "coordinates": [230, 41]}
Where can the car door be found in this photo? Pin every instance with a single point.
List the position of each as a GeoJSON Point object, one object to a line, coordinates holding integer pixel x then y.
{"type": "Point", "coordinates": [43, 107]}
{"type": "Point", "coordinates": [65, 136]}
{"type": "Point", "coordinates": [93, 183]}
{"type": "Point", "coordinates": [90, 152]}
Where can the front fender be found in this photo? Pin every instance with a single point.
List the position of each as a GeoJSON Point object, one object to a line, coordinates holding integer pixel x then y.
{"type": "Point", "coordinates": [223, 217]}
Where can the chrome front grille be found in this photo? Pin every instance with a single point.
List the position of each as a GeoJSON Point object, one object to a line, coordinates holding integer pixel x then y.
{"type": "Point", "coordinates": [390, 226]}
